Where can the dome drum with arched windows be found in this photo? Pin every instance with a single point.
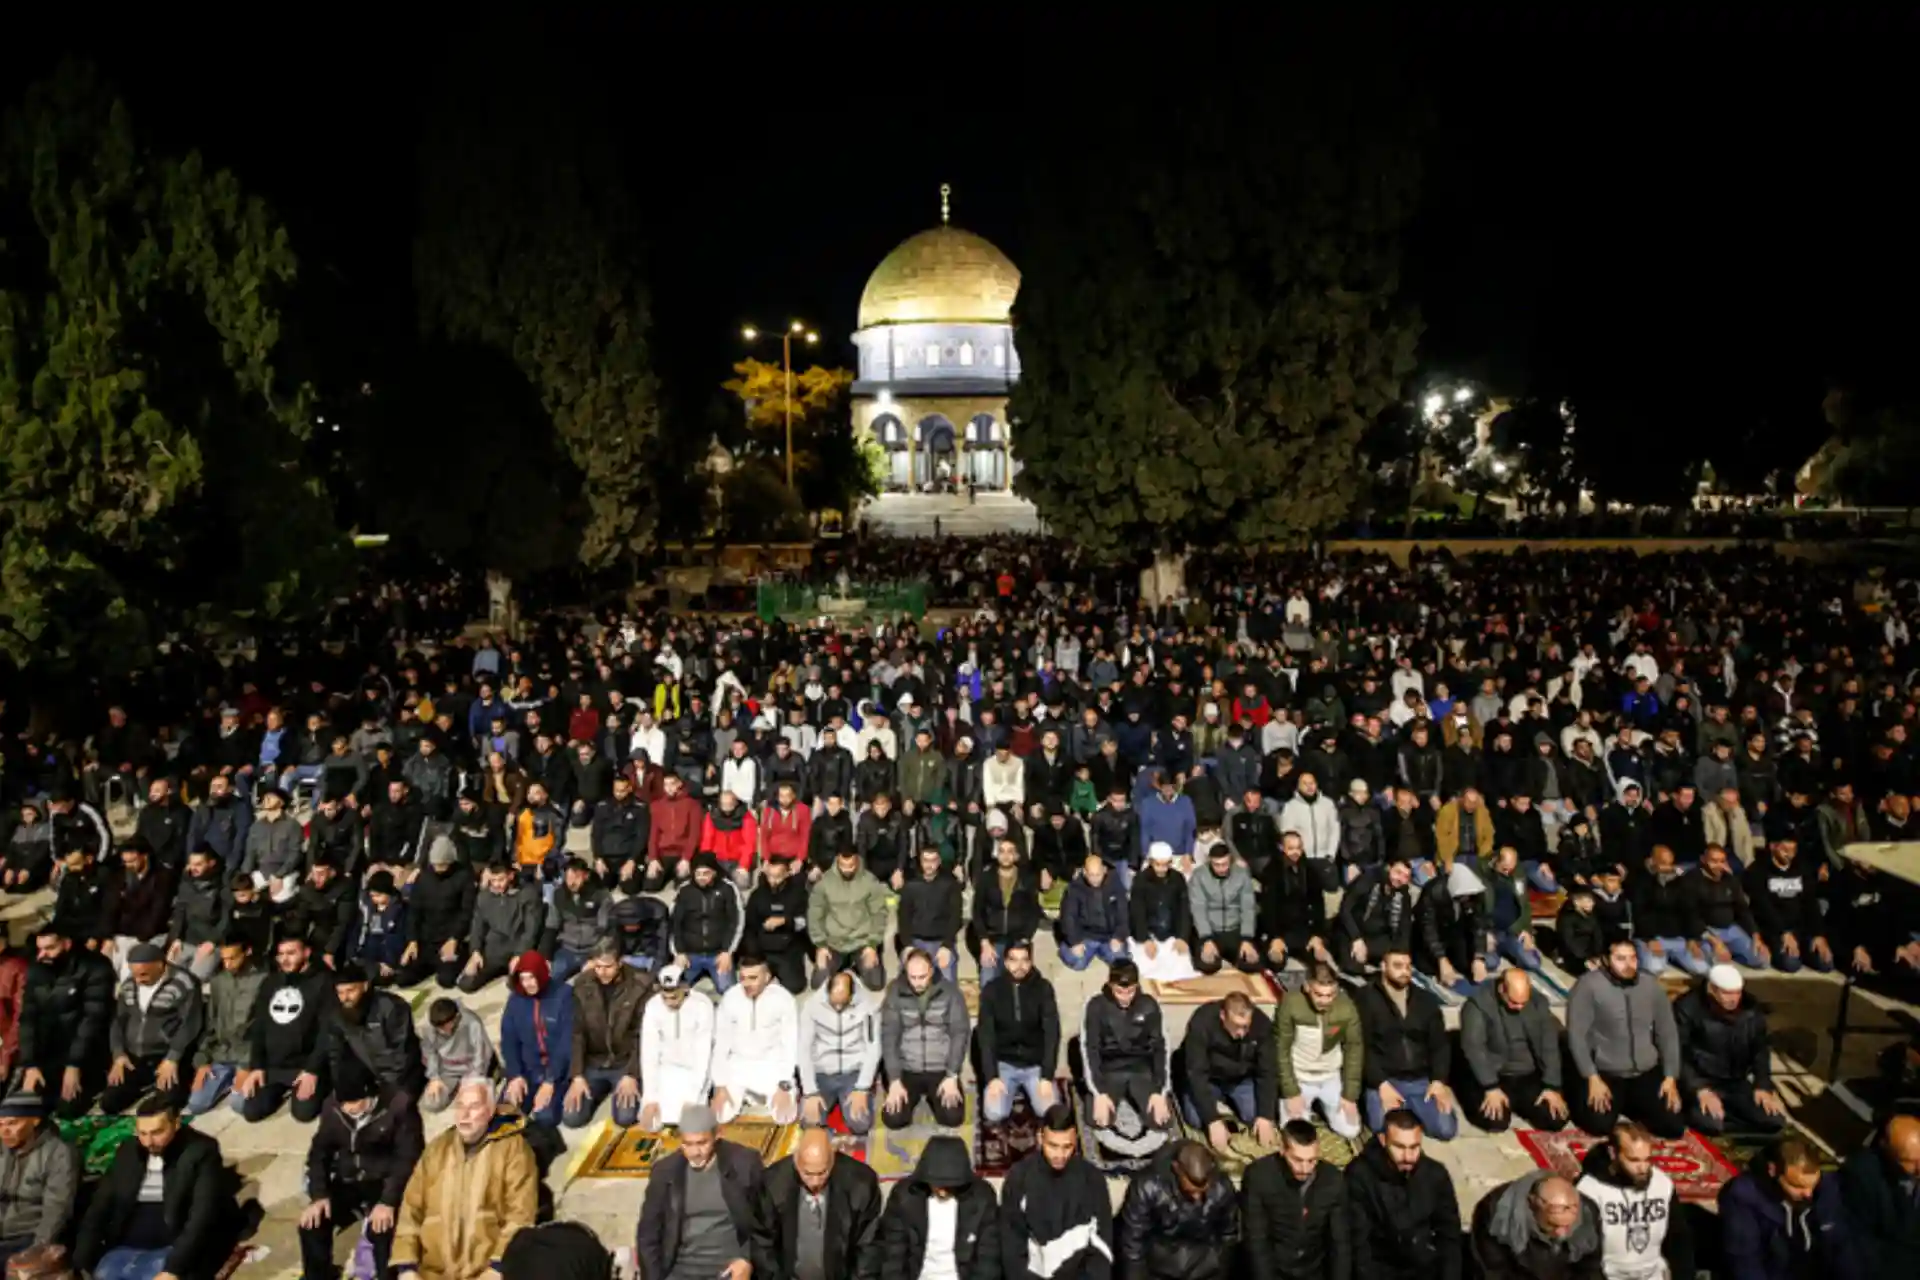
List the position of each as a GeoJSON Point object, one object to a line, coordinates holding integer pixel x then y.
{"type": "Point", "coordinates": [936, 359]}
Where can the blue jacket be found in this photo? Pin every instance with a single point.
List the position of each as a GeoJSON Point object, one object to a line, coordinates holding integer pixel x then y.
{"type": "Point", "coordinates": [1172, 822]}
{"type": "Point", "coordinates": [480, 715]}
{"type": "Point", "coordinates": [380, 936]}
{"type": "Point", "coordinates": [520, 1043]}
{"type": "Point", "coordinates": [1090, 914]}
{"type": "Point", "coordinates": [1753, 1231]}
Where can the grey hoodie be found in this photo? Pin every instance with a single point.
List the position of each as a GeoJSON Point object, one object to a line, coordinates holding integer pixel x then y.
{"type": "Point", "coordinates": [835, 1041]}
{"type": "Point", "coordinates": [40, 1183]}
{"type": "Point", "coordinates": [466, 1053]}
{"type": "Point", "coordinates": [275, 849]}
{"type": "Point", "coordinates": [1620, 1029]}
{"type": "Point", "coordinates": [1222, 906]}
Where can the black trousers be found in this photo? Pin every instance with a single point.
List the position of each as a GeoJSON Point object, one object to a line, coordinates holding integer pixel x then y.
{"type": "Point", "coordinates": [1295, 940]}
{"type": "Point", "coordinates": [490, 970]}
{"type": "Point", "coordinates": [873, 975]}
{"type": "Point", "coordinates": [1523, 1100]}
{"type": "Point", "coordinates": [276, 1089]}
{"type": "Point", "coordinates": [789, 967]}
{"type": "Point", "coordinates": [1741, 1114]}
{"type": "Point", "coordinates": [1635, 1098]}
{"type": "Point", "coordinates": [92, 1081]}
{"type": "Point", "coordinates": [1129, 1084]}
{"type": "Point", "coordinates": [1342, 949]}
{"type": "Point", "coordinates": [347, 1203]}
{"type": "Point", "coordinates": [428, 964]}
{"type": "Point", "coordinates": [139, 1082]}
{"type": "Point", "coordinates": [1228, 946]}
{"type": "Point", "coordinates": [925, 1085]}
{"type": "Point", "coordinates": [655, 881]}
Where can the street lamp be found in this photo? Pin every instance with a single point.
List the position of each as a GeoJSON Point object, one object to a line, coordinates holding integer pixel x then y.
{"type": "Point", "coordinates": [793, 330]}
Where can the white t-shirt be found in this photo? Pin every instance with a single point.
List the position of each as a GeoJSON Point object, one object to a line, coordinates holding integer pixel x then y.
{"type": "Point", "coordinates": [943, 1218]}
{"type": "Point", "coordinates": [145, 995]}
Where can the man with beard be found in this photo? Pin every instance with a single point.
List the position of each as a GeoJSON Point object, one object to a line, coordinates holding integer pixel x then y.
{"type": "Point", "coordinates": [1158, 905]}
{"type": "Point", "coordinates": [199, 916]}
{"type": "Point", "coordinates": [66, 1012]}
{"type": "Point", "coordinates": [923, 1045]}
{"type": "Point", "coordinates": [1641, 1221]}
{"type": "Point", "coordinates": [1406, 1063]}
{"type": "Point", "coordinates": [825, 1212]}
{"type": "Point", "coordinates": [473, 1189]}
{"type": "Point", "coordinates": [1018, 1037]}
{"type": "Point", "coordinates": [777, 922]}
{"type": "Point", "coordinates": [1296, 1224]}
{"type": "Point", "coordinates": [1783, 1219]}
{"type": "Point", "coordinates": [847, 923]}
{"type": "Point", "coordinates": [1056, 1217]}
{"type": "Point", "coordinates": [288, 1052]}
{"type": "Point", "coordinates": [1405, 1215]}
{"type": "Point", "coordinates": [1225, 914]}
{"type": "Point", "coordinates": [358, 1162]}
{"type": "Point", "coordinates": [1621, 1034]}
{"type": "Point", "coordinates": [1006, 908]}
{"type": "Point", "coordinates": [930, 914]}
{"type": "Point", "coordinates": [1785, 895]}
{"type": "Point", "coordinates": [676, 1050]}
{"type": "Point", "coordinates": [375, 1027]}
{"type": "Point", "coordinates": [508, 916]}
{"type": "Point", "coordinates": [1726, 1063]}
{"type": "Point", "coordinates": [1225, 1071]}
{"type": "Point", "coordinates": [1510, 1044]}
{"type": "Point", "coordinates": [1376, 916]}
{"type": "Point", "coordinates": [707, 1212]}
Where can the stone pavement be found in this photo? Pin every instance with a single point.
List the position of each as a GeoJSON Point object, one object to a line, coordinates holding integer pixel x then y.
{"type": "Point", "coordinates": [271, 1155]}
{"type": "Point", "coordinates": [911, 515]}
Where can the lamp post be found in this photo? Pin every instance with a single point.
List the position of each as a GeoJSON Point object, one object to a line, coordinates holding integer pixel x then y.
{"type": "Point", "coordinates": [796, 329]}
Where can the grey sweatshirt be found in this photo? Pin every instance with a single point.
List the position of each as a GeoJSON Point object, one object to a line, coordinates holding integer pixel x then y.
{"type": "Point", "coordinates": [1222, 906]}
{"type": "Point", "coordinates": [40, 1183]}
{"type": "Point", "coordinates": [1621, 1030]}
{"type": "Point", "coordinates": [466, 1053]}
{"type": "Point", "coordinates": [834, 1041]}
{"type": "Point", "coordinates": [925, 1032]}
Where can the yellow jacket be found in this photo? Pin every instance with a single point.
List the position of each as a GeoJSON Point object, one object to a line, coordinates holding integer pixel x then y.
{"type": "Point", "coordinates": [462, 1207]}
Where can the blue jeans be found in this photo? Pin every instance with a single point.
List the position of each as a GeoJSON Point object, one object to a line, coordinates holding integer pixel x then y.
{"type": "Point", "coordinates": [1739, 944]}
{"type": "Point", "coordinates": [951, 969]}
{"type": "Point", "coordinates": [1017, 1079]}
{"type": "Point", "coordinates": [1806, 959]}
{"type": "Point", "coordinates": [290, 778]}
{"type": "Point", "coordinates": [551, 1114]}
{"type": "Point", "coordinates": [697, 965]}
{"type": "Point", "coordinates": [1239, 1097]}
{"type": "Point", "coordinates": [1442, 1126]}
{"type": "Point", "coordinates": [1528, 958]}
{"type": "Point", "coordinates": [833, 1088]}
{"type": "Point", "coordinates": [1094, 949]}
{"type": "Point", "coordinates": [219, 1084]}
{"type": "Point", "coordinates": [601, 1082]}
{"type": "Point", "coordinates": [1676, 954]}
{"type": "Point", "coordinates": [566, 963]}
{"type": "Point", "coordinates": [1540, 876]}
{"type": "Point", "coordinates": [131, 1264]}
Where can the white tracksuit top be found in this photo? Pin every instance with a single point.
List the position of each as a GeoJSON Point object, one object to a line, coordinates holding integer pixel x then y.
{"type": "Point", "coordinates": [756, 1043]}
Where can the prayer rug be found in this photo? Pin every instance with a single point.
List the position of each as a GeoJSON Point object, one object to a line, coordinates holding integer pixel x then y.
{"type": "Point", "coordinates": [894, 1154]}
{"type": "Point", "coordinates": [1546, 906]}
{"type": "Point", "coordinates": [632, 1153]}
{"type": "Point", "coordinates": [1257, 987]}
{"type": "Point", "coordinates": [970, 992]}
{"type": "Point", "coordinates": [96, 1138]}
{"type": "Point", "coordinates": [998, 1147]}
{"type": "Point", "coordinates": [845, 1141]}
{"type": "Point", "coordinates": [1242, 1150]}
{"type": "Point", "coordinates": [1697, 1167]}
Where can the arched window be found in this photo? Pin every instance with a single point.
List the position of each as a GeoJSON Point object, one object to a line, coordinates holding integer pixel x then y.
{"type": "Point", "coordinates": [933, 354]}
{"type": "Point", "coordinates": [999, 355]}
{"type": "Point", "coordinates": [966, 353]}
{"type": "Point", "coordinates": [899, 355]}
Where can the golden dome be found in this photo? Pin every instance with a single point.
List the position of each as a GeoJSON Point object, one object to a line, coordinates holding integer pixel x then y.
{"type": "Point", "coordinates": [944, 274]}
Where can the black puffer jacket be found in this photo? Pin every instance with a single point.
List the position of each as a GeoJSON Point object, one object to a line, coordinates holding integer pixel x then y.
{"type": "Point", "coordinates": [1295, 1232]}
{"type": "Point", "coordinates": [976, 1231]}
{"type": "Point", "coordinates": [66, 1013]}
{"type": "Point", "coordinates": [1715, 1049]}
{"type": "Point", "coordinates": [1405, 1227]}
{"type": "Point", "coordinates": [1162, 1235]}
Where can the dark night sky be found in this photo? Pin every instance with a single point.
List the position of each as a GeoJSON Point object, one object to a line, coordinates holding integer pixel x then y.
{"type": "Point", "coordinates": [1683, 204]}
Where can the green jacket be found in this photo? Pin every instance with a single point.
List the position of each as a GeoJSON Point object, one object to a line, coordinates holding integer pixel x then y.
{"type": "Point", "coordinates": [1339, 1028]}
{"type": "Point", "coordinates": [922, 773]}
{"type": "Point", "coordinates": [1083, 801]}
{"type": "Point", "coordinates": [230, 1001]}
{"type": "Point", "coordinates": [846, 915]}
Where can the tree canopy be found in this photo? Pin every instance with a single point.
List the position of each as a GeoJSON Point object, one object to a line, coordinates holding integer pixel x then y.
{"type": "Point", "coordinates": [149, 450]}
{"type": "Point", "coordinates": [528, 245]}
{"type": "Point", "coordinates": [830, 468]}
{"type": "Point", "coordinates": [1208, 320]}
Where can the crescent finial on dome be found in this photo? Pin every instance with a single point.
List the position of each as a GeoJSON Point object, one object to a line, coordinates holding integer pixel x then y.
{"type": "Point", "coordinates": [946, 203]}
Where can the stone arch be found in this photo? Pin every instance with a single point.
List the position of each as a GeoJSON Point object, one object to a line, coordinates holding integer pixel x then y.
{"type": "Point", "coordinates": [938, 443]}
{"type": "Point", "coordinates": [986, 452]}
{"type": "Point", "coordinates": [890, 432]}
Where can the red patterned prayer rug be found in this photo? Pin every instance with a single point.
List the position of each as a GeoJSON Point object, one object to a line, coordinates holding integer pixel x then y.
{"type": "Point", "coordinates": [1697, 1167]}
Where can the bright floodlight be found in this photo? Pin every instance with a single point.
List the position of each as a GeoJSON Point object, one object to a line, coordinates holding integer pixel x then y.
{"type": "Point", "coordinates": [749, 333]}
{"type": "Point", "coordinates": [812, 336]}
{"type": "Point", "coordinates": [1433, 402]}
{"type": "Point", "coordinates": [1463, 395]}
{"type": "Point", "coordinates": [797, 326]}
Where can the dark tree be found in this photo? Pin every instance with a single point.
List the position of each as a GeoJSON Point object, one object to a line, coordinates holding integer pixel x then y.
{"type": "Point", "coordinates": [1208, 319]}
{"type": "Point", "coordinates": [149, 447]}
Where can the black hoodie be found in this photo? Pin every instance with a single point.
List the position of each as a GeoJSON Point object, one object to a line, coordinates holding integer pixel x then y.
{"type": "Point", "coordinates": [1405, 1226]}
{"type": "Point", "coordinates": [1040, 1206]}
{"type": "Point", "coordinates": [287, 1020]}
{"type": "Point", "coordinates": [976, 1232]}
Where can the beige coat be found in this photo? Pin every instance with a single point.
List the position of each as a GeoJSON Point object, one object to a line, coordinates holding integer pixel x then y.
{"type": "Point", "coordinates": [1730, 830]}
{"type": "Point", "coordinates": [462, 1207]}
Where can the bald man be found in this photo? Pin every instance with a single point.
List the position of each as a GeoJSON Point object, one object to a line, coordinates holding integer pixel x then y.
{"type": "Point", "coordinates": [1509, 1063]}
{"type": "Point", "coordinates": [1537, 1227]}
{"type": "Point", "coordinates": [1880, 1188]}
{"type": "Point", "coordinates": [826, 1212]}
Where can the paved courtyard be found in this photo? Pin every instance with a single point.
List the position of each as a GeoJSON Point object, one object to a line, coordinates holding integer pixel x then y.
{"type": "Point", "coordinates": [271, 1155]}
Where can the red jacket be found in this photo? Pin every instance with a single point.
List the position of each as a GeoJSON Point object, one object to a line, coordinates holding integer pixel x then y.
{"type": "Point", "coordinates": [787, 835]}
{"type": "Point", "coordinates": [1259, 715]}
{"type": "Point", "coordinates": [676, 829]}
{"type": "Point", "coordinates": [738, 846]}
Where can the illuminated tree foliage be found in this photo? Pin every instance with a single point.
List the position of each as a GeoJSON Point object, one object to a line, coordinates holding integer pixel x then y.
{"type": "Point", "coordinates": [148, 450]}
